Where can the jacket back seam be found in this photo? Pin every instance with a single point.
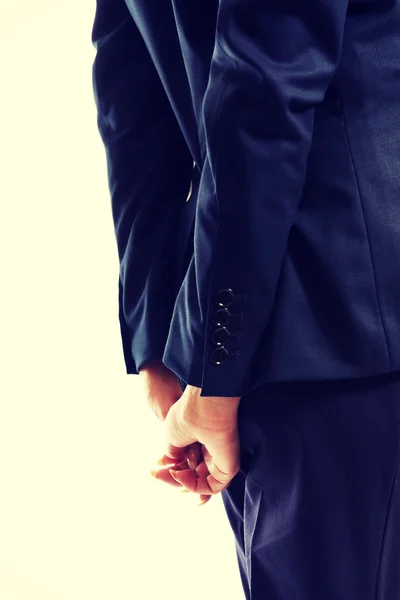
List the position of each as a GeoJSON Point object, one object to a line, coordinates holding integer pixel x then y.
{"type": "Point", "coordinates": [343, 118]}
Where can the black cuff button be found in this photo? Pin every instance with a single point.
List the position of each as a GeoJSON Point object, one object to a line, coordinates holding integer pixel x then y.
{"type": "Point", "coordinates": [219, 355]}
{"type": "Point", "coordinates": [224, 297]}
{"type": "Point", "coordinates": [219, 336]}
{"type": "Point", "coordinates": [221, 317]}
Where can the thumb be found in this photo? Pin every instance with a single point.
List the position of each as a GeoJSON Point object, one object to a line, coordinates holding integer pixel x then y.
{"type": "Point", "coordinates": [177, 437]}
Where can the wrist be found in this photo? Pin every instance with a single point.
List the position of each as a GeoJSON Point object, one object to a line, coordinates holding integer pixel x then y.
{"type": "Point", "coordinates": [211, 407]}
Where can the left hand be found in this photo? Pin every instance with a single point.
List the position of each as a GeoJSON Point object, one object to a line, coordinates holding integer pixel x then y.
{"type": "Point", "coordinates": [161, 387]}
{"type": "Point", "coordinates": [202, 443]}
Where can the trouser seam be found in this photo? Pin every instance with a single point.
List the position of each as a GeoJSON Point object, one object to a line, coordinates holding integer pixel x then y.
{"type": "Point", "coordinates": [385, 527]}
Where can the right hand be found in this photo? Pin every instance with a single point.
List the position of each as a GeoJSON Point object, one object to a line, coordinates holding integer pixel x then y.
{"type": "Point", "coordinates": [162, 389]}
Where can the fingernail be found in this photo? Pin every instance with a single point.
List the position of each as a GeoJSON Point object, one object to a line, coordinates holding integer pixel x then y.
{"type": "Point", "coordinates": [161, 462]}
{"type": "Point", "coordinates": [202, 502]}
{"type": "Point", "coordinates": [153, 472]}
{"type": "Point", "coordinates": [172, 473]}
{"type": "Point", "coordinates": [184, 491]}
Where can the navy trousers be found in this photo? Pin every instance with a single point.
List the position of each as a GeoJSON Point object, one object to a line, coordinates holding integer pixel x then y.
{"type": "Point", "coordinates": [315, 508]}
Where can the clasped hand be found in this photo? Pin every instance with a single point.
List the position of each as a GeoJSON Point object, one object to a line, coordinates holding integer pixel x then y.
{"type": "Point", "coordinates": [202, 452]}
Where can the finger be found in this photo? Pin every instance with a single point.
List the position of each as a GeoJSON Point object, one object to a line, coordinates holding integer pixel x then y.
{"type": "Point", "coordinates": [165, 476]}
{"type": "Point", "coordinates": [202, 470]}
{"type": "Point", "coordinates": [201, 481]}
{"type": "Point", "coordinates": [167, 460]}
{"type": "Point", "coordinates": [222, 456]}
{"type": "Point", "coordinates": [193, 455]}
{"type": "Point", "coordinates": [207, 486]}
{"type": "Point", "coordinates": [217, 479]}
{"type": "Point", "coordinates": [173, 458]}
{"type": "Point", "coordinates": [204, 499]}
{"type": "Point", "coordinates": [187, 478]}
{"type": "Point", "coordinates": [212, 469]}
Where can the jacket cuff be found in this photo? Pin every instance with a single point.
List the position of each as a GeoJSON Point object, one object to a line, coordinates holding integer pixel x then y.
{"type": "Point", "coordinates": [143, 343]}
{"type": "Point", "coordinates": [217, 358]}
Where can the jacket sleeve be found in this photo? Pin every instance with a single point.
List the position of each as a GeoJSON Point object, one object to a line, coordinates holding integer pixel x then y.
{"type": "Point", "coordinates": [272, 64]}
{"type": "Point", "coordinates": [149, 171]}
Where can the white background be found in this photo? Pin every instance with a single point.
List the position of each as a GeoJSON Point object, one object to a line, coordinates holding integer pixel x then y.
{"type": "Point", "coordinates": [80, 516]}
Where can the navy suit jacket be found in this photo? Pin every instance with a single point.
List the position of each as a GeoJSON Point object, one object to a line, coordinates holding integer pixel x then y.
{"type": "Point", "coordinates": [283, 118]}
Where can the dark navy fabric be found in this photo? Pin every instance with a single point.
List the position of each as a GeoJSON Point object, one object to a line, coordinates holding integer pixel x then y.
{"type": "Point", "coordinates": [315, 509]}
{"type": "Point", "coordinates": [285, 116]}
{"type": "Point", "coordinates": [278, 279]}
